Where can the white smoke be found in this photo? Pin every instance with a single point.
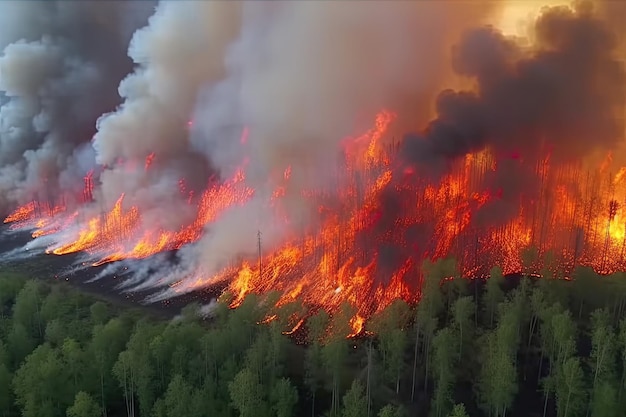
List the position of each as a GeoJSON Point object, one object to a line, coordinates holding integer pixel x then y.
{"type": "Point", "coordinates": [300, 75]}
{"type": "Point", "coordinates": [59, 64]}
{"type": "Point", "coordinates": [180, 50]}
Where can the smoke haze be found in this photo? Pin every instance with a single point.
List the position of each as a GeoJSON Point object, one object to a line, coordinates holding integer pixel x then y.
{"type": "Point", "coordinates": [159, 98]}
{"type": "Point", "coordinates": [59, 68]}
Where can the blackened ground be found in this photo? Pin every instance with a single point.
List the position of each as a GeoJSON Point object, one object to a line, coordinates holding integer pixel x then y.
{"type": "Point", "coordinates": [48, 267]}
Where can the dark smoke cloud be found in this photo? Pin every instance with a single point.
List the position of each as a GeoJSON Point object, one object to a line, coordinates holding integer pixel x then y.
{"type": "Point", "coordinates": [565, 94]}
{"type": "Point", "coordinates": [303, 75]}
{"type": "Point", "coordinates": [60, 64]}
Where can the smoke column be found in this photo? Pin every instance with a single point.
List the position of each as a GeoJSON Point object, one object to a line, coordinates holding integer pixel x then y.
{"type": "Point", "coordinates": [301, 76]}
{"type": "Point", "coordinates": [177, 95]}
{"type": "Point", "coordinates": [59, 67]}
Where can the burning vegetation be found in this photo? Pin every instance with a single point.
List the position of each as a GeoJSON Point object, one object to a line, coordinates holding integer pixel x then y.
{"type": "Point", "coordinates": [521, 169]}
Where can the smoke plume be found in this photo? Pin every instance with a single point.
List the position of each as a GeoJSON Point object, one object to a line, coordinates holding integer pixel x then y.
{"type": "Point", "coordinates": [59, 66]}
{"type": "Point", "coordinates": [565, 94]}
{"type": "Point", "coordinates": [302, 76]}
{"type": "Point", "coordinates": [206, 90]}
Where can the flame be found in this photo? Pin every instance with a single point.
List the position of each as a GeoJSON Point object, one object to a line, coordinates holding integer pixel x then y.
{"type": "Point", "coordinates": [371, 235]}
{"type": "Point", "coordinates": [21, 213]}
{"type": "Point", "coordinates": [295, 328]}
{"type": "Point", "coordinates": [149, 160]}
{"type": "Point", "coordinates": [357, 323]}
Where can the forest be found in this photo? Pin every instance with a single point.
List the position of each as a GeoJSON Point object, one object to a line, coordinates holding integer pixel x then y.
{"type": "Point", "coordinates": [514, 346]}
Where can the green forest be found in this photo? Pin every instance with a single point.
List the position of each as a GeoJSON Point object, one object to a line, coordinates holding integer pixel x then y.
{"type": "Point", "coordinates": [515, 346]}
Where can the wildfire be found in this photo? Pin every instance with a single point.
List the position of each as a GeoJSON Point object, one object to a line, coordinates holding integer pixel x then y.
{"type": "Point", "coordinates": [372, 238]}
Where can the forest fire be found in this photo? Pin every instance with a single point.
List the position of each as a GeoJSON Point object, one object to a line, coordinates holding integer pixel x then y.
{"type": "Point", "coordinates": [582, 223]}
{"type": "Point", "coordinates": [505, 173]}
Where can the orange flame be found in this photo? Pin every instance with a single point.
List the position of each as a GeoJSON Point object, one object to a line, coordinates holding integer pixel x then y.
{"type": "Point", "coordinates": [577, 214]}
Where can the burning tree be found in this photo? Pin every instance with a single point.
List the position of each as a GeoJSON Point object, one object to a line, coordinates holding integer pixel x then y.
{"type": "Point", "coordinates": [502, 170]}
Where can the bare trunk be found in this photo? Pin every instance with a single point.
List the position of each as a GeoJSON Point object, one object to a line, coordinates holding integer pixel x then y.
{"type": "Point", "coordinates": [132, 392]}
{"type": "Point", "coordinates": [398, 383]}
{"type": "Point", "coordinates": [104, 408]}
{"type": "Point", "coordinates": [368, 389]}
{"type": "Point", "coordinates": [580, 309]}
{"type": "Point", "coordinates": [545, 402]}
{"type": "Point", "coordinates": [623, 380]}
{"type": "Point", "coordinates": [126, 394]}
{"type": "Point", "coordinates": [569, 394]}
{"type": "Point", "coordinates": [475, 304]}
{"type": "Point", "coordinates": [427, 363]}
{"type": "Point", "coordinates": [460, 340]}
{"type": "Point", "coordinates": [417, 336]}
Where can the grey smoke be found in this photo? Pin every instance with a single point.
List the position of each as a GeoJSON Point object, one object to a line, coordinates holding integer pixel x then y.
{"type": "Point", "coordinates": [299, 75]}
{"type": "Point", "coordinates": [60, 63]}
{"type": "Point", "coordinates": [302, 76]}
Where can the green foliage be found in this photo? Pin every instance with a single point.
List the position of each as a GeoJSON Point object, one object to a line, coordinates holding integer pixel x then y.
{"type": "Point", "coordinates": [284, 398]}
{"type": "Point", "coordinates": [570, 389]}
{"type": "Point", "coordinates": [36, 384]}
{"type": "Point", "coordinates": [605, 400]}
{"type": "Point", "coordinates": [602, 347]}
{"type": "Point", "coordinates": [389, 325]}
{"type": "Point", "coordinates": [246, 394]}
{"type": "Point", "coordinates": [180, 399]}
{"type": "Point", "coordinates": [458, 411]}
{"type": "Point", "coordinates": [84, 406]}
{"type": "Point", "coordinates": [6, 394]}
{"type": "Point", "coordinates": [62, 354]}
{"type": "Point", "coordinates": [444, 360]}
{"type": "Point", "coordinates": [463, 310]}
{"type": "Point", "coordinates": [498, 381]}
{"type": "Point", "coordinates": [27, 309]}
{"type": "Point", "coordinates": [10, 286]}
{"type": "Point", "coordinates": [354, 402]}
{"type": "Point", "coordinates": [20, 343]}
{"type": "Point", "coordinates": [493, 295]}
{"type": "Point", "coordinates": [391, 411]}
{"type": "Point", "coordinates": [99, 312]}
